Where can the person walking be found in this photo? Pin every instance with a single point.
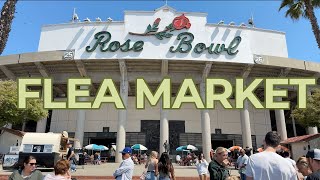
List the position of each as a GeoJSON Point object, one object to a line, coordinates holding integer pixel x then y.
{"type": "Point", "coordinates": [217, 167]}
{"type": "Point", "coordinates": [242, 164]}
{"type": "Point", "coordinates": [165, 168]}
{"type": "Point", "coordinates": [268, 165]}
{"type": "Point", "coordinates": [28, 170]}
{"type": "Point", "coordinates": [61, 171]}
{"type": "Point", "coordinates": [314, 162]}
{"type": "Point", "coordinates": [125, 170]}
{"type": "Point", "coordinates": [151, 166]}
{"type": "Point", "coordinates": [71, 157]}
{"type": "Point", "coordinates": [202, 167]}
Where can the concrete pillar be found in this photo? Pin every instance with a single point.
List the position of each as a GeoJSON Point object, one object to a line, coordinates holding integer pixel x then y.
{"type": "Point", "coordinates": [164, 128]}
{"type": "Point", "coordinates": [23, 126]}
{"type": "Point", "coordinates": [41, 125]}
{"type": "Point", "coordinates": [245, 125]}
{"type": "Point", "coordinates": [122, 115]}
{"type": "Point", "coordinates": [205, 126]}
{"type": "Point", "coordinates": [294, 127]}
{"type": "Point", "coordinates": [81, 118]}
{"type": "Point", "coordinates": [281, 121]}
{"type": "Point", "coordinates": [311, 130]}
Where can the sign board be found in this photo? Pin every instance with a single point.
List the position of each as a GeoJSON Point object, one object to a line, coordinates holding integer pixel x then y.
{"type": "Point", "coordinates": [14, 149]}
{"type": "Point", "coordinates": [162, 35]}
{"type": "Point", "coordinates": [10, 160]}
{"type": "Point", "coordinates": [37, 148]}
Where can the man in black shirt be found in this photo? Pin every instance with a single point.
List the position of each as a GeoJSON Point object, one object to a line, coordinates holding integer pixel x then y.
{"type": "Point", "coordinates": [314, 162]}
{"type": "Point", "coordinates": [71, 157]}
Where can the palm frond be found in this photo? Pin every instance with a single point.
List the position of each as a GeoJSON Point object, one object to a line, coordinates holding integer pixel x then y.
{"type": "Point", "coordinates": [315, 3]}
{"type": "Point", "coordinates": [296, 10]}
{"type": "Point", "coordinates": [285, 3]}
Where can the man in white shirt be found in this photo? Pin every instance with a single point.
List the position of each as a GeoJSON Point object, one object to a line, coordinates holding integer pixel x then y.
{"type": "Point", "coordinates": [125, 170]}
{"type": "Point", "coordinates": [242, 164]}
{"type": "Point", "coordinates": [268, 165]}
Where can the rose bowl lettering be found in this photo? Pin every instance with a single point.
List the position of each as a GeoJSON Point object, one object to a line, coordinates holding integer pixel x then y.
{"type": "Point", "coordinates": [184, 46]}
{"type": "Point", "coordinates": [103, 38]}
{"type": "Point", "coordinates": [187, 38]}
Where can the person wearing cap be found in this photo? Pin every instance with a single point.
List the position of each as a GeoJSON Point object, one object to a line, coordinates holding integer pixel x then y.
{"type": "Point", "coordinates": [314, 163]}
{"type": "Point", "coordinates": [125, 170]}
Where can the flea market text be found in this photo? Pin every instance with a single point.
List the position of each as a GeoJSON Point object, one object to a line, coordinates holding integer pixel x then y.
{"type": "Point", "coordinates": [79, 88]}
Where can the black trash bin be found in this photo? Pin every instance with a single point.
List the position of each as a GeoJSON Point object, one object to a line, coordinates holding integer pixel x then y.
{"type": "Point", "coordinates": [81, 159]}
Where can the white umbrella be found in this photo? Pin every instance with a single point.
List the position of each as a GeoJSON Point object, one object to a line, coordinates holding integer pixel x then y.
{"type": "Point", "coordinates": [190, 147]}
{"type": "Point", "coordinates": [139, 147]}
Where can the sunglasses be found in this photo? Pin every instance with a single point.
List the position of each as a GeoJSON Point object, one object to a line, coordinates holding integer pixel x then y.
{"type": "Point", "coordinates": [32, 164]}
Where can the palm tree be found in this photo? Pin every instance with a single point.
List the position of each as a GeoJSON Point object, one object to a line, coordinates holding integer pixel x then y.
{"type": "Point", "coordinates": [303, 8]}
{"type": "Point", "coordinates": [7, 15]}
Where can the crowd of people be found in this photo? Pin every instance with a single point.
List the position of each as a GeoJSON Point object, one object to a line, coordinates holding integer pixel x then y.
{"type": "Point", "coordinates": [269, 164]}
{"type": "Point", "coordinates": [265, 165]}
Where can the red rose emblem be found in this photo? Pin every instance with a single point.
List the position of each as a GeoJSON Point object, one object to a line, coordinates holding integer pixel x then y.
{"type": "Point", "coordinates": [157, 21]}
{"type": "Point", "coordinates": [181, 22]}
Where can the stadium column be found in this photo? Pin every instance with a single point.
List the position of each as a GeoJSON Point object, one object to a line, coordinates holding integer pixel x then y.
{"type": "Point", "coordinates": [281, 121]}
{"type": "Point", "coordinates": [245, 125]}
{"type": "Point", "coordinates": [164, 122]}
{"type": "Point", "coordinates": [41, 125]}
{"type": "Point", "coordinates": [164, 128]}
{"type": "Point", "coordinates": [122, 113]}
{"type": "Point", "coordinates": [205, 125]}
{"type": "Point", "coordinates": [81, 118]}
{"type": "Point", "coordinates": [312, 130]}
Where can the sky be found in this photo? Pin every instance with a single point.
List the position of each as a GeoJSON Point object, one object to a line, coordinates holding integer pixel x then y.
{"type": "Point", "coordinates": [32, 15]}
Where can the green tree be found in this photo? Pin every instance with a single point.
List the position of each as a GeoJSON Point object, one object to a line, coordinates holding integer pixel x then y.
{"type": "Point", "coordinates": [310, 116]}
{"type": "Point", "coordinates": [6, 17]}
{"type": "Point", "coordinates": [303, 8]}
{"type": "Point", "coordinates": [9, 112]}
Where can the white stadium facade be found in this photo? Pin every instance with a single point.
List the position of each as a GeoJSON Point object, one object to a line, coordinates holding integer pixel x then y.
{"type": "Point", "coordinates": [177, 45]}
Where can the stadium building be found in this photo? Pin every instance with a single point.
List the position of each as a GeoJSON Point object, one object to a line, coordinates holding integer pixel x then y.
{"type": "Point", "coordinates": [154, 45]}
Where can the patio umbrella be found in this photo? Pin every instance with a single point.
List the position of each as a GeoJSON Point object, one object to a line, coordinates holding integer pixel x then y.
{"type": "Point", "coordinates": [179, 148]}
{"type": "Point", "coordinates": [102, 147]}
{"type": "Point", "coordinates": [190, 147]}
{"type": "Point", "coordinates": [234, 148]}
{"type": "Point", "coordinates": [139, 147]}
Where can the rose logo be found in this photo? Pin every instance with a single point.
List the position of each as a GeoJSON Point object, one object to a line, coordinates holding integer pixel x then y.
{"type": "Point", "coordinates": [178, 23]}
{"type": "Point", "coordinates": [181, 22]}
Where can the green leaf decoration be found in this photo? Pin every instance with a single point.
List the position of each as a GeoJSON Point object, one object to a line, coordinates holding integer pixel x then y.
{"type": "Point", "coordinates": [148, 29]}
{"type": "Point", "coordinates": [158, 36]}
{"type": "Point", "coordinates": [168, 35]}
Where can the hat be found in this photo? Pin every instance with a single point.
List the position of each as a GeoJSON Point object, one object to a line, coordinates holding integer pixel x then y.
{"type": "Point", "coordinates": [126, 150]}
{"type": "Point", "coordinates": [314, 154]}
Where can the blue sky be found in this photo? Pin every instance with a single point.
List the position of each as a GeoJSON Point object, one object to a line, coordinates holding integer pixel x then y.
{"type": "Point", "coordinates": [31, 15]}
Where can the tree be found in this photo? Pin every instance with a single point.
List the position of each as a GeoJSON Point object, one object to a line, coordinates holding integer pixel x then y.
{"type": "Point", "coordinates": [9, 112]}
{"type": "Point", "coordinates": [303, 8]}
{"type": "Point", "coordinates": [310, 116]}
{"type": "Point", "coordinates": [7, 15]}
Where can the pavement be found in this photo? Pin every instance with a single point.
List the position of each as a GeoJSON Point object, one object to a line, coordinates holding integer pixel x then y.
{"type": "Point", "coordinates": [105, 171]}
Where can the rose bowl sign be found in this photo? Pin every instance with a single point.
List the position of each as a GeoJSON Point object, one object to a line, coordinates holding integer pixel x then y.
{"type": "Point", "coordinates": [103, 40]}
